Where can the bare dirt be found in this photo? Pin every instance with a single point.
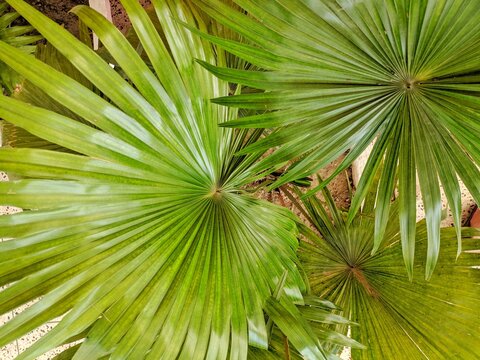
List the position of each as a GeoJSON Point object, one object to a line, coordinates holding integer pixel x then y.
{"type": "Point", "coordinates": [58, 10]}
{"type": "Point", "coordinates": [120, 18]}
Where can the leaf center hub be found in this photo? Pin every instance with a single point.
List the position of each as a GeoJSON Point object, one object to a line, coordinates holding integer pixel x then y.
{"type": "Point", "coordinates": [358, 274]}
{"type": "Point", "coordinates": [409, 84]}
{"type": "Point", "coordinates": [215, 194]}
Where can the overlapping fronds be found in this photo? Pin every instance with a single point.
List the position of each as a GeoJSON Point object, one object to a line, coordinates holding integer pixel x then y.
{"type": "Point", "coordinates": [339, 74]}
{"type": "Point", "coordinates": [397, 319]}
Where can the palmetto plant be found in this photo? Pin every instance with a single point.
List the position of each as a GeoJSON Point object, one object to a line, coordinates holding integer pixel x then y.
{"type": "Point", "coordinates": [136, 229]}
{"type": "Point", "coordinates": [139, 227]}
{"type": "Point", "coordinates": [398, 319]}
{"type": "Point", "coordinates": [339, 74]}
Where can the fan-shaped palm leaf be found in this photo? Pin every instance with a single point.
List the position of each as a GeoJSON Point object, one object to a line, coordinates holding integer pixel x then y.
{"type": "Point", "coordinates": [144, 241]}
{"type": "Point", "coordinates": [398, 319]}
{"type": "Point", "coordinates": [344, 73]}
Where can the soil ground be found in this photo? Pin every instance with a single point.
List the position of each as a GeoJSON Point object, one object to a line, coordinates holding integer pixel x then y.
{"type": "Point", "coordinates": [58, 10]}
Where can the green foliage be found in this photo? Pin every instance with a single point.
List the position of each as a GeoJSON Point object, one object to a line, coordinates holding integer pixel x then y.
{"type": "Point", "coordinates": [139, 227]}
{"type": "Point", "coordinates": [15, 35]}
{"type": "Point", "coordinates": [136, 228]}
{"type": "Point", "coordinates": [293, 328]}
{"type": "Point", "coordinates": [398, 319]}
{"type": "Point", "coordinates": [14, 136]}
{"type": "Point", "coordinates": [341, 74]}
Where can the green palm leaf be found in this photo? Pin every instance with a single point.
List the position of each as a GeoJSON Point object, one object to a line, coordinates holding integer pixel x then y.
{"type": "Point", "coordinates": [340, 74]}
{"type": "Point", "coordinates": [144, 241]}
{"type": "Point", "coordinates": [398, 318]}
{"type": "Point", "coordinates": [19, 36]}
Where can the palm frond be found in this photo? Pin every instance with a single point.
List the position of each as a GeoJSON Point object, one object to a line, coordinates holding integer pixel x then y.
{"type": "Point", "coordinates": [339, 74]}
{"type": "Point", "coordinates": [397, 318]}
